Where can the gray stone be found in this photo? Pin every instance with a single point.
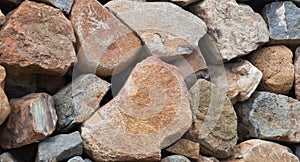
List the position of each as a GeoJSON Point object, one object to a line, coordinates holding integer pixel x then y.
{"type": "Point", "coordinates": [227, 20]}
{"type": "Point", "coordinates": [269, 116]}
{"type": "Point", "coordinates": [77, 101]}
{"type": "Point", "coordinates": [76, 159]}
{"type": "Point", "coordinates": [7, 157]}
{"type": "Point", "coordinates": [64, 5]}
{"type": "Point", "coordinates": [283, 21]}
{"type": "Point", "coordinates": [182, 2]}
{"type": "Point", "coordinates": [60, 147]}
{"type": "Point", "coordinates": [175, 158]}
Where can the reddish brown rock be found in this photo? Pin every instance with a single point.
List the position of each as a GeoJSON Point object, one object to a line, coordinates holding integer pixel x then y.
{"type": "Point", "coordinates": [40, 41]}
{"type": "Point", "coordinates": [151, 112]}
{"type": "Point", "coordinates": [186, 148]}
{"type": "Point", "coordinates": [32, 119]}
{"type": "Point", "coordinates": [4, 105]}
{"type": "Point", "coordinates": [105, 44]}
{"type": "Point", "coordinates": [276, 64]}
{"type": "Point", "coordinates": [2, 18]}
{"type": "Point", "coordinates": [259, 150]}
{"type": "Point", "coordinates": [297, 73]}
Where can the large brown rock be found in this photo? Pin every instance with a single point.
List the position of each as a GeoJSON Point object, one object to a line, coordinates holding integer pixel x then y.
{"type": "Point", "coordinates": [32, 119]}
{"type": "Point", "coordinates": [186, 148]}
{"type": "Point", "coordinates": [167, 30]}
{"type": "Point", "coordinates": [214, 120]}
{"type": "Point", "coordinates": [105, 45]}
{"type": "Point", "coordinates": [227, 20]}
{"type": "Point", "coordinates": [4, 105]}
{"type": "Point", "coordinates": [40, 41]}
{"type": "Point", "coordinates": [151, 112]}
{"type": "Point", "coordinates": [297, 73]}
{"type": "Point", "coordinates": [259, 150]}
{"type": "Point", "coordinates": [276, 64]}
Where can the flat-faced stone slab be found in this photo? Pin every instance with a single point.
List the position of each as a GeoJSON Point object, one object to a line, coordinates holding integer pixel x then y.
{"type": "Point", "coordinates": [227, 20]}
{"type": "Point", "coordinates": [64, 5]}
{"type": "Point", "coordinates": [242, 79]}
{"type": "Point", "coordinates": [259, 150]}
{"type": "Point", "coordinates": [4, 104]}
{"type": "Point", "coordinates": [214, 120]}
{"type": "Point", "coordinates": [32, 119]}
{"type": "Point", "coordinates": [186, 148]}
{"type": "Point", "coordinates": [60, 147]}
{"type": "Point", "coordinates": [151, 112]}
{"type": "Point", "coordinates": [283, 21]}
{"type": "Point", "coordinates": [40, 41]}
{"type": "Point", "coordinates": [269, 116]}
{"type": "Point", "coordinates": [105, 45]}
{"type": "Point", "coordinates": [166, 29]}
{"type": "Point", "coordinates": [77, 101]}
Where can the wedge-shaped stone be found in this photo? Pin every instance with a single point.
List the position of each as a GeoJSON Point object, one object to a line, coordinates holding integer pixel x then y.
{"type": "Point", "coordinates": [151, 112]}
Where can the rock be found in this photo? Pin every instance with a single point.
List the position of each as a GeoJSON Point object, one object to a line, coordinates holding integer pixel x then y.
{"type": "Point", "coordinates": [19, 85]}
{"type": "Point", "coordinates": [227, 20]}
{"type": "Point", "coordinates": [50, 84]}
{"type": "Point", "coordinates": [64, 5]}
{"type": "Point", "coordinates": [175, 158]}
{"type": "Point", "coordinates": [276, 64]}
{"type": "Point", "coordinates": [7, 157]}
{"type": "Point", "coordinates": [214, 120]}
{"type": "Point", "coordinates": [60, 147]}
{"type": "Point", "coordinates": [32, 119]}
{"type": "Point", "coordinates": [40, 41]}
{"type": "Point", "coordinates": [297, 73]}
{"type": "Point", "coordinates": [269, 116]}
{"type": "Point", "coordinates": [167, 30]}
{"type": "Point", "coordinates": [207, 159]}
{"type": "Point", "coordinates": [151, 112]}
{"type": "Point", "coordinates": [282, 19]}
{"type": "Point", "coordinates": [4, 104]}
{"type": "Point", "coordinates": [186, 148]}
{"type": "Point", "coordinates": [93, 23]}
{"type": "Point", "coordinates": [182, 2]}
{"type": "Point", "coordinates": [2, 18]}
{"type": "Point", "coordinates": [242, 80]}
{"type": "Point", "coordinates": [76, 159]}
{"type": "Point", "coordinates": [259, 150]}
{"type": "Point", "coordinates": [77, 101]}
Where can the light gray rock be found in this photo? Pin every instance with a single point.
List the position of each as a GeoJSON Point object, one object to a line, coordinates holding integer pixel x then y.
{"type": "Point", "coordinates": [182, 2]}
{"type": "Point", "coordinates": [227, 20]}
{"type": "Point", "coordinates": [77, 101]}
{"type": "Point", "coordinates": [60, 147]}
{"type": "Point", "coordinates": [175, 158]}
{"type": "Point", "coordinates": [76, 159]}
{"type": "Point", "coordinates": [269, 116]}
{"type": "Point", "coordinates": [64, 5]}
{"type": "Point", "coordinates": [7, 157]}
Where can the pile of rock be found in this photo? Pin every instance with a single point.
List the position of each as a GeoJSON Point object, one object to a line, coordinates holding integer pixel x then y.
{"type": "Point", "coordinates": [137, 80]}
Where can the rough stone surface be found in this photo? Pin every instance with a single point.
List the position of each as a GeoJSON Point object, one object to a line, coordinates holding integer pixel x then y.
{"type": "Point", "coordinates": [60, 147]}
{"type": "Point", "coordinates": [32, 119]}
{"type": "Point", "coordinates": [242, 80]}
{"type": "Point", "coordinates": [40, 41]}
{"type": "Point", "coordinates": [151, 112]}
{"type": "Point", "coordinates": [269, 116]}
{"type": "Point", "coordinates": [167, 30]}
{"type": "Point", "coordinates": [297, 73]}
{"type": "Point", "coordinates": [77, 101]}
{"type": "Point", "coordinates": [20, 85]}
{"type": "Point", "coordinates": [215, 128]}
{"type": "Point", "coordinates": [2, 18]}
{"type": "Point", "coordinates": [118, 46]}
{"type": "Point", "coordinates": [227, 20]}
{"type": "Point", "coordinates": [175, 158]}
{"type": "Point", "coordinates": [207, 159]}
{"type": "Point", "coordinates": [186, 148]}
{"type": "Point", "coordinates": [259, 150]}
{"type": "Point", "coordinates": [64, 5]}
{"type": "Point", "coordinates": [7, 157]}
{"type": "Point", "coordinates": [276, 64]}
{"type": "Point", "coordinates": [283, 22]}
{"type": "Point", "coordinates": [4, 104]}
{"type": "Point", "coordinates": [76, 159]}
{"type": "Point", "coordinates": [182, 2]}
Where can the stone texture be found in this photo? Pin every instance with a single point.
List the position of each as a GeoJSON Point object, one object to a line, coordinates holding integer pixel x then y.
{"type": "Point", "coordinates": [4, 105]}
{"type": "Point", "coordinates": [182, 2]}
{"type": "Point", "coordinates": [40, 41]}
{"type": "Point", "coordinates": [242, 80]}
{"type": "Point", "coordinates": [19, 85]}
{"type": "Point", "coordinates": [186, 148]}
{"type": "Point", "coordinates": [2, 18]}
{"type": "Point", "coordinates": [214, 120]}
{"type": "Point", "coordinates": [259, 150]}
{"type": "Point", "coordinates": [60, 147]}
{"type": "Point", "coordinates": [64, 5]}
{"type": "Point", "coordinates": [77, 101]}
{"type": "Point", "coordinates": [32, 119]}
{"type": "Point", "coordinates": [207, 159]}
{"type": "Point", "coordinates": [297, 73]}
{"type": "Point", "coordinates": [227, 20]}
{"type": "Point", "coordinates": [282, 19]}
{"type": "Point", "coordinates": [76, 159]}
{"type": "Point", "coordinates": [151, 112]}
{"type": "Point", "coordinates": [118, 47]}
{"type": "Point", "coordinates": [269, 116]}
{"type": "Point", "coordinates": [175, 158]}
{"type": "Point", "coordinates": [7, 157]}
{"type": "Point", "coordinates": [167, 30]}
{"type": "Point", "coordinates": [276, 64]}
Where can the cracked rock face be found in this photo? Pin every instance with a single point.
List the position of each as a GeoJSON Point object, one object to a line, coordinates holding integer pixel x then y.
{"type": "Point", "coordinates": [227, 20]}
{"type": "Point", "coordinates": [269, 116]}
{"type": "Point", "coordinates": [151, 112]}
{"type": "Point", "coordinates": [40, 41]}
{"type": "Point", "coordinates": [105, 45]}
